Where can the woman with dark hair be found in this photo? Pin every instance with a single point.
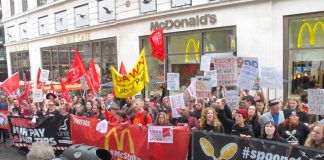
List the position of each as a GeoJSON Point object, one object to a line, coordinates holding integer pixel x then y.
{"type": "Point", "coordinates": [209, 121]}
{"type": "Point", "coordinates": [316, 137]}
{"type": "Point", "coordinates": [292, 129]}
{"type": "Point", "coordinates": [162, 120]}
{"type": "Point", "coordinates": [294, 104]}
{"type": "Point", "coordinates": [253, 120]}
{"type": "Point", "coordinates": [270, 131]}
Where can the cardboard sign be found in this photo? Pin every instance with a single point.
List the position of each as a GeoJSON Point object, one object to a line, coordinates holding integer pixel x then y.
{"type": "Point", "coordinates": [270, 78]}
{"type": "Point", "coordinates": [83, 83]}
{"type": "Point", "coordinates": [232, 99]}
{"type": "Point", "coordinates": [173, 81]}
{"type": "Point", "coordinates": [226, 71]}
{"type": "Point", "coordinates": [316, 101]}
{"type": "Point", "coordinates": [160, 134]}
{"type": "Point", "coordinates": [205, 62]}
{"type": "Point", "coordinates": [247, 77]}
{"type": "Point", "coordinates": [176, 102]}
{"type": "Point", "coordinates": [44, 75]}
{"type": "Point", "coordinates": [213, 76]}
{"type": "Point", "coordinates": [206, 80]}
{"type": "Point", "coordinates": [38, 95]}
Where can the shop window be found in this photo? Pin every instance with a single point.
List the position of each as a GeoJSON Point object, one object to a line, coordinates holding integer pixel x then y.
{"type": "Point", "coordinates": [306, 54]}
{"type": "Point", "coordinates": [219, 41]}
{"type": "Point", "coordinates": [11, 34]}
{"type": "Point", "coordinates": [23, 31]}
{"type": "Point", "coordinates": [147, 6]}
{"type": "Point", "coordinates": [108, 58]}
{"type": "Point", "coordinates": [107, 10]}
{"type": "Point", "coordinates": [81, 14]}
{"type": "Point", "coordinates": [20, 63]}
{"type": "Point", "coordinates": [43, 25]}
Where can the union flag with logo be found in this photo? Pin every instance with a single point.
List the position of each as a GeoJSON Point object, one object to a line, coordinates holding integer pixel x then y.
{"type": "Point", "coordinates": [93, 78]}
{"type": "Point", "coordinates": [76, 70]}
{"type": "Point", "coordinates": [157, 43]}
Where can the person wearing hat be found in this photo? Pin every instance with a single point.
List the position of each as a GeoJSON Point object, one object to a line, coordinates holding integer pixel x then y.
{"type": "Point", "coordinates": [241, 128]}
{"type": "Point", "coordinates": [294, 131]}
{"type": "Point", "coordinates": [275, 114]}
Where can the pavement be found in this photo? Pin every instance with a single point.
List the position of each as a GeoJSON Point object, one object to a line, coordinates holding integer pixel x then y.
{"type": "Point", "coordinates": [7, 152]}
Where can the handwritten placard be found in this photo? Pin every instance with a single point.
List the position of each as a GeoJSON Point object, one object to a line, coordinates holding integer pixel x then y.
{"type": "Point", "coordinates": [205, 62]}
{"type": "Point", "coordinates": [176, 102]}
{"type": "Point", "coordinates": [226, 71]}
{"type": "Point", "coordinates": [160, 134]}
{"type": "Point", "coordinates": [83, 83]}
{"type": "Point", "coordinates": [232, 99]}
{"type": "Point", "coordinates": [38, 95]}
{"type": "Point", "coordinates": [213, 75]}
{"type": "Point", "coordinates": [44, 75]}
{"type": "Point", "coordinates": [316, 101]}
{"type": "Point", "coordinates": [173, 81]}
{"type": "Point", "coordinates": [271, 78]}
{"type": "Point", "coordinates": [247, 77]}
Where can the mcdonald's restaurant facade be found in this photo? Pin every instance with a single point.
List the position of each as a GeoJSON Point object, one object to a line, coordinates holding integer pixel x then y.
{"type": "Point", "coordinates": [281, 34]}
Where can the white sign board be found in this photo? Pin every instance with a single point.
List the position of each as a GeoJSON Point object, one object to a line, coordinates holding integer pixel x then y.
{"type": "Point", "coordinates": [83, 83]}
{"type": "Point", "coordinates": [316, 101]}
{"type": "Point", "coordinates": [247, 77]}
{"type": "Point", "coordinates": [173, 81]}
{"type": "Point", "coordinates": [270, 78]}
{"type": "Point", "coordinates": [176, 102]}
{"type": "Point", "coordinates": [38, 95]}
{"type": "Point", "coordinates": [232, 99]}
{"type": "Point", "coordinates": [160, 134]}
{"type": "Point", "coordinates": [206, 80]}
{"type": "Point", "coordinates": [213, 75]}
{"type": "Point", "coordinates": [226, 71]}
{"type": "Point", "coordinates": [44, 75]}
{"type": "Point", "coordinates": [205, 62]}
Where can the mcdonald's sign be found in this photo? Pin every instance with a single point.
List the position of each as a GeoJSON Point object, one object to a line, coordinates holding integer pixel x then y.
{"type": "Point", "coordinates": [311, 30]}
{"type": "Point", "coordinates": [120, 153]}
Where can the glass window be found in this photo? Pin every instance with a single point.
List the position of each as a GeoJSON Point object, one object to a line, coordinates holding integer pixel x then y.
{"type": "Point", "coordinates": [109, 58]}
{"type": "Point", "coordinates": [85, 53]}
{"type": "Point", "coordinates": [24, 5]}
{"type": "Point", "coordinates": [20, 63]}
{"type": "Point", "coordinates": [12, 7]}
{"type": "Point", "coordinates": [306, 54]}
{"type": "Point", "coordinates": [63, 54]}
{"type": "Point", "coordinates": [41, 2]}
{"type": "Point", "coordinates": [219, 41]}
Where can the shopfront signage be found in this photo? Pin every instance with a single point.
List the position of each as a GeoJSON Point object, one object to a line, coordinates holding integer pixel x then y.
{"type": "Point", "coordinates": [311, 30]}
{"type": "Point", "coordinates": [73, 38]}
{"type": "Point", "coordinates": [198, 20]}
{"type": "Point", "coordinates": [18, 47]}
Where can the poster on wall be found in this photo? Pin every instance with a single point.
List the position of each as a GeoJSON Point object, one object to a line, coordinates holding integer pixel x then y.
{"type": "Point", "coordinates": [205, 62]}
{"type": "Point", "coordinates": [173, 81]}
{"type": "Point", "coordinates": [226, 71]}
{"type": "Point", "coordinates": [176, 102]}
{"type": "Point", "coordinates": [316, 101]}
{"type": "Point", "coordinates": [247, 77]}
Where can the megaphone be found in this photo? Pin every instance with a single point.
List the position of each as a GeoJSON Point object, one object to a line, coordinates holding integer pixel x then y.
{"type": "Point", "coordinates": [85, 152]}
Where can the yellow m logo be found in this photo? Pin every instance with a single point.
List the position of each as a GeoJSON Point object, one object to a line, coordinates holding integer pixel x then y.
{"type": "Point", "coordinates": [120, 142]}
{"type": "Point", "coordinates": [311, 31]}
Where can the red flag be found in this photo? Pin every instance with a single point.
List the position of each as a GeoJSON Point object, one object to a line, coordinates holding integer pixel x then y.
{"type": "Point", "coordinates": [65, 93]}
{"type": "Point", "coordinates": [25, 93]}
{"type": "Point", "coordinates": [4, 119]}
{"type": "Point", "coordinates": [122, 69]}
{"type": "Point", "coordinates": [93, 79]}
{"type": "Point", "coordinates": [11, 84]}
{"type": "Point", "coordinates": [157, 43]}
{"type": "Point", "coordinates": [77, 69]}
{"type": "Point", "coordinates": [39, 84]}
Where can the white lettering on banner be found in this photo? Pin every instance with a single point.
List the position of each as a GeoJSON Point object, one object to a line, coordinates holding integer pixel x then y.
{"type": "Point", "coordinates": [316, 101]}
{"type": "Point", "coordinates": [260, 155]}
{"type": "Point", "coordinates": [176, 102]}
{"type": "Point", "coordinates": [160, 134]}
{"type": "Point", "coordinates": [30, 135]}
{"type": "Point", "coordinates": [173, 81]}
{"type": "Point", "coordinates": [81, 122]}
{"type": "Point", "coordinates": [29, 132]}
{"type": "Point", "coordinates": [123, 155]}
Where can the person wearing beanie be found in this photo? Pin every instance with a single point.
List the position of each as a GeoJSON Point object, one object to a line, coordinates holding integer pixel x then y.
{"type": "Point", "coordinates": [241, 128]}
{"type": "Point", "coordinates": [294, 131]}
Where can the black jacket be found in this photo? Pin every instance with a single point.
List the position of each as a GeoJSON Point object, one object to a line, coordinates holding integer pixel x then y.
{"type": "Point", "coordinates": [246, 130]}
{"type": "Point", "coordinates": [226, 122]}
{"type": "Point", "coordinates": [297, 133]}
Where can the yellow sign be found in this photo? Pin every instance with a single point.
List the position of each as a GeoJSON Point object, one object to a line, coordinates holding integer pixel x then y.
{"type": "Point", "coordinates": [120, 142]}
{"type": "Point", "coordinates": [79, 37]}
{"type": "Point", "coordinates": [196, 46]}
{"type": "Point", "coordinates": [18, 47]}
{"type": "Point", "coordinates": [227, 152]}
{"type": "Point", "coordinates": [132, 83]}
{"type": "Point", "coordinates": [311, 31]}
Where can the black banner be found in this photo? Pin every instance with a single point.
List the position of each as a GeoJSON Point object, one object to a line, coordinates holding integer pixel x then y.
{"type": "Point", "coordinates": [216, 146]}
{"type": "Point", "coordinates": [52, 130]}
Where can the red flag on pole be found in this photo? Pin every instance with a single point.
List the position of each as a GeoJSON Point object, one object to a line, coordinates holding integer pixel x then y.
{"type": "Point", "coordinates": [157, 43]}
{"type": "Point", "coordinates": [65, 93]}
{"type": "Point", "coordinates": [11, 84]}
{"type": "Point", "coordinates": [39, 84]}
{"type": "Point", "coordinates": [76, 70]}
{"type": "Point", "coordinates": [122, 69]}
{"type": "Point", "coordinates": [93, 79]}
{"type": "Point", "coordinates": [25, 93]}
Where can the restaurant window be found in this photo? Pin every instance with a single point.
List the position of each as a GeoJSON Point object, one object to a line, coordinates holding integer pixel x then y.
{"type": "Point", "coordinates": [305, 53]}
{"type": "Point", "coordinates": [58, 59]}
{"type": "Point", "coordinates": [20, 63]}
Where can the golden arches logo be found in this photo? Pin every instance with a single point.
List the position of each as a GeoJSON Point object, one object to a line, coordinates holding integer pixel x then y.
{"type": "Point", "coordinates": [311, 31]}
{"type": "Point", "coordinates": [196, 46]}
{"type": "Point", "coordinates": [120, 142]}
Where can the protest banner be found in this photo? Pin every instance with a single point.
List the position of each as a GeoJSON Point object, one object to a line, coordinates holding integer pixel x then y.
{"type": "Point", "coordinates": [206, 80]}
{"type": "Point", "coordinates": [130, 84]}
{"type": "Point", "coordinates": [52, 130]}
{"type": "Point", "coordinates": [129, 142]}
{"type": "Point", "coordinates": [247, 77]}
{"type": "Point", "coordinates": [316, 101]}
{"type": "Point", "coordinates": [208, 145]}
{"type": "Point", "coordinates": [44, 75]}
{"type": "Point", "coordinates": [173, 81]}
{"type": "Point", "coordinates": [226, 71]}
{"type": "Point", "coordinates": [4, 119]}
{"type": "Point", "coordinates": [160, 134]}
{"type": "Point", "coordinates": [213, 75]}
{"type": "Point", "coordinates": [271, 78]}
{"type": "Point", "coordinates": [176, 102]}
{"type": "Point", "coordinates": [205, 62]}
{"type": "Point", "coordinates": [38, 95]}
{"type": "Point", "coordinates": [232, 99]}
{"type": "Point", "coordinates": [251, 61]}
{"type": "Point", "coordinates": [202, 90]}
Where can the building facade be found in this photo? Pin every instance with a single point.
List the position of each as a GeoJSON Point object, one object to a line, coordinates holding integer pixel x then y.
{"type": "Point", "coordinates": [3, 59]}
{"type": "Point", "coordinates": [287, 35]}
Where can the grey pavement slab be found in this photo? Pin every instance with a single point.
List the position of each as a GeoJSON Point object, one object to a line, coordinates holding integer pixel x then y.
{"type": "Point", "coordinates": [7, 152]}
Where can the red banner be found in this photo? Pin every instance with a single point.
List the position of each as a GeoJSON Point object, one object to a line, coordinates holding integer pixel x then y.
{"type": "Point", "coordinates": [129, 142]}
{"type": "Point", "coordinates": [93, 78]}
{"type": "Point", "coordinates": [65, 93]}
{"type": "Point", "coordinates": [11, 84]}
{"type": "Point", "coordinates": [157, 43]}
{"type": "Point", "coordinates": [76, 70]}
{"type": "Point", "coordinates": [4, 119]}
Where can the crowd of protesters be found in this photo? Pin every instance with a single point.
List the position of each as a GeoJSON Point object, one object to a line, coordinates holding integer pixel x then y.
{"type": "Point", "coordinates": [255, 117]}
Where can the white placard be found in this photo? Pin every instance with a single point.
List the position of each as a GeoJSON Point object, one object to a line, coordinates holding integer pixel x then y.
{"type": "Point", "coordinates": [270, 78]}
{"type": "Point", "coordinates": [316, 101]}
{"type": "Point", "coordinates": [38, 95]}
{"type": "Point", "coordinates": [176, 102]}
{"type": "Point", "coordinates": [226, 71]}
{"type": "Point", "coordinates": [247, 77]}
{"type": "Point", "coordinates": [102, 126]}
{"type": "Point", "coordinates": [83, 83]}
{"type": "Point", "coordinates": [205, 62]}
{"type": "Point", "coordinates": [44, 75]}
{"type": "Point", "coordinates": [213, 75]}
{"type": "Point", "coordinates": [206, 80]}
{"type": "Point", "coordinates": [232, 99]}
{"type": "Point", "coordinates": [173, 81]}
{"type": "Point", "coordinates": [160, 134]}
